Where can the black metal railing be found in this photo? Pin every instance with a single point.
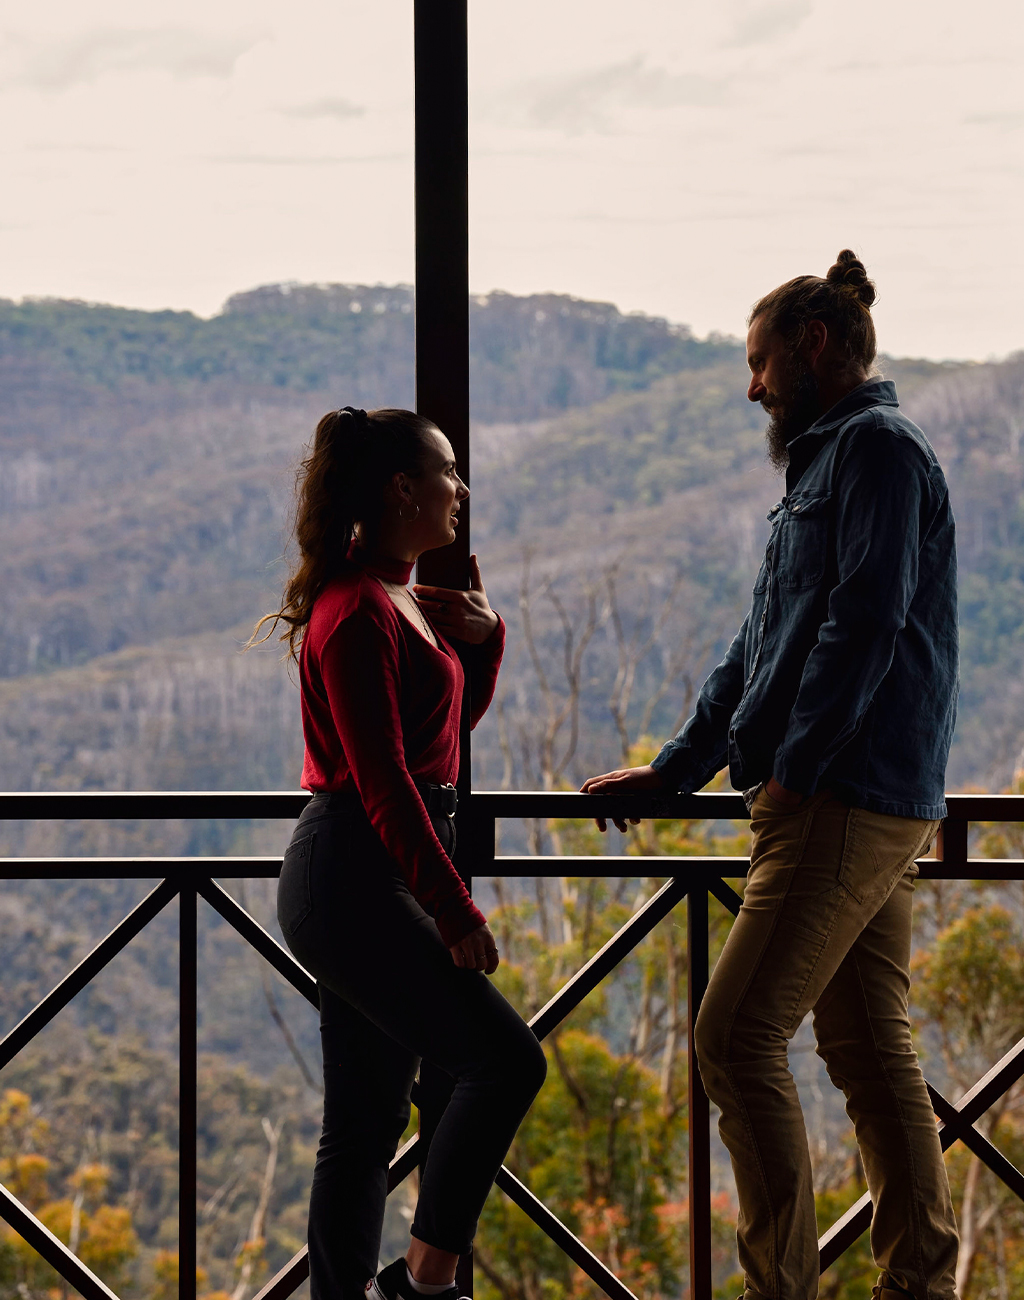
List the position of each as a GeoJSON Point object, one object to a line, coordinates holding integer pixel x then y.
{"type": "Point", "coordinates": [695, 881]}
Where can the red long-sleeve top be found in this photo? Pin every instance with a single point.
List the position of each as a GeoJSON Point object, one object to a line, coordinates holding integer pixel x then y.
{"type": "Point", "coordinates": [380, 709]}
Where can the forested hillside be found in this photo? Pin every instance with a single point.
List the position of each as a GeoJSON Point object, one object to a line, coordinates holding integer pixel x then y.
{"type": "Point", "coordinates": [620, 493]}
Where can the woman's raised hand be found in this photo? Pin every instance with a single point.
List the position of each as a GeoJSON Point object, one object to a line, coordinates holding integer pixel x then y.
{"type": "Point", "coordinates": [465, 615]}
{"type": "Point", "coordinates": [477, 951]}
{"type": "Point", "coordinates": [624, 780]}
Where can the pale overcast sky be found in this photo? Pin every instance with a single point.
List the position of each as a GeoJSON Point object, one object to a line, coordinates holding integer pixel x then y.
{"type": "Point", "coordinates": [672, 157]}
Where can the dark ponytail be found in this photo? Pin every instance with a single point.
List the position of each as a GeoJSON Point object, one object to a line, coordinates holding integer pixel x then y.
{"type": "Point", "coordinates": [354, 455]}
{"type": "Point", "coordinates": [842, 301]}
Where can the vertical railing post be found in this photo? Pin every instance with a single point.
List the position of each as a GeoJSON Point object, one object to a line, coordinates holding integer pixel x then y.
{"type": "Point", "coordinates": [442, 251]}
{"type": "Point", "coordinates": [699, 1114]}
{"type": "Point", "coordinates": [187, 1084]}
{"type": "Point", "coordinates": [951, 841]}
{"type": "Point", "coordinates": [442, 344]}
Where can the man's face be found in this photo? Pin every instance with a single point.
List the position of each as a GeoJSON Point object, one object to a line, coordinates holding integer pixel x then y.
{"type": "Point", "coordinates": [785, 385]}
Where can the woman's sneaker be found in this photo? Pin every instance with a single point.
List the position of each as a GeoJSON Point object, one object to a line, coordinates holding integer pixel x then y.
{"type": "Point", "coordinates": [392, 1283]}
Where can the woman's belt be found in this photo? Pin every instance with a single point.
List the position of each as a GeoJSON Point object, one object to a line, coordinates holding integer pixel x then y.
{"type": "Point", "coordinates": [439, 800]}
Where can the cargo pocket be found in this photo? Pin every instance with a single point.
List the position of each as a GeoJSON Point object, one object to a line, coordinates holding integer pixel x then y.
{"type": "Point", "coordinates": [294, 902]}
{"type": "Point", "coordinates": [803, 541]}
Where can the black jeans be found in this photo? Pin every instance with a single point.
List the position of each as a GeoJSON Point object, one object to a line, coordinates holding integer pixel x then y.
{"type": "Point", "coordinates": [390, 995]}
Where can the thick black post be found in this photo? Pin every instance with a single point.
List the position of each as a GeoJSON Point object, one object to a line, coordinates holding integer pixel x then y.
{"type": "Point", "coordinates": [187, 952]}
{"type": "Point", "coordinates": [442, 352]}
{"type": "Point", "coordinates": [442, 251]}
{"type": "Point", "coordinates": [699, 1117]}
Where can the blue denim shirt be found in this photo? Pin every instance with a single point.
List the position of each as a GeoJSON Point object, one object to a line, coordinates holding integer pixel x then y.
{"type": "Point", "coordinates": [845, 671]}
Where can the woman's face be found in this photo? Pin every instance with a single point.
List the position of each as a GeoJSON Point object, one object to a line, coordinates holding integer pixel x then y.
{"type": "Point", "coordinates": [438, 491]}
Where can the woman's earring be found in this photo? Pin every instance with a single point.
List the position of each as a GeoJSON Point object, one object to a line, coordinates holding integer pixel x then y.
{"type": "Point", "coordinates": [408, 518]}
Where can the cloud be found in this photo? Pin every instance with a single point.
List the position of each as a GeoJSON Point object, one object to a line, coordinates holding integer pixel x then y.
{"type": "Point", "coordinates": [71, 146]}
{"type": "Point", "coordinates": [760, 24]}
{"type": "Point", "coordinates": [1005, 121]}
{"type": "Point", "coordinates": [586, 102]}
{"type": "Point", "coordinates": [301, 160]}
{"type": "Point", "coordinates": [336, 108]}
{"type": "Point", "coordinates": [59, 64]}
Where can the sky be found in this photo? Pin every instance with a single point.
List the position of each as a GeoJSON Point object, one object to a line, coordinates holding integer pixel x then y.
{"type": "Point", "coordinates": [671, 157]}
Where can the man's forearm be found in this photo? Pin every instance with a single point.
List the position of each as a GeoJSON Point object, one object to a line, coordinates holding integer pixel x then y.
{"type": "Point", "coordinates": [701, 748]}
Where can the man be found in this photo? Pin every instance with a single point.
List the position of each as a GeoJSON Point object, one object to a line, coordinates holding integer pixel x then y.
{"type": "Point", "coordinates": [834, 709]}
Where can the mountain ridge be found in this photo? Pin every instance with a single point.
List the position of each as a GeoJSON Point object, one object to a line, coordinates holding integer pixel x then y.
{"type": "Point", "coordinates": [149, 501]}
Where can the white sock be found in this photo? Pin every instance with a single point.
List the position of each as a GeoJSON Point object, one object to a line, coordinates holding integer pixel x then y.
{"type": "Point", "coordinates": [427, 1288]}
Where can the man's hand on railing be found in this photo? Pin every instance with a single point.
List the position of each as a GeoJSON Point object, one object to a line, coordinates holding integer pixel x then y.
{"type": "Point", "coordinates": [625, 780]}
{"type": "Point", "coordinates": [477, 951]}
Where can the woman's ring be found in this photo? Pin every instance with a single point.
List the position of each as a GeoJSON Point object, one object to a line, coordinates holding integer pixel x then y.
{"type": "Point", "coordinates": [443, 607]}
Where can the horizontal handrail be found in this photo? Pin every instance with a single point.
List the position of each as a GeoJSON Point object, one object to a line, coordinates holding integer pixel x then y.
{"type": "Point", "coordinates": [701, 806]}
{"type": "Point", "coordinates": [120, 805]}
{"type": "Point", "coordinates": [148, 805]}
{"type": "Point", "coordinates": [182, 870]}
{"type": "Point", "coordinates": [553, 866]}
{"type": "Point", "coordinates": [706, 869]}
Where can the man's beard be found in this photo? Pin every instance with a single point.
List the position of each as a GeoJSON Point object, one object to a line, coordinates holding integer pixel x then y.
{"type": "Point", "coordinates": [791, 412]}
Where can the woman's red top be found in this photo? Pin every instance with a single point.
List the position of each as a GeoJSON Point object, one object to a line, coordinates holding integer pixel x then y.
{"type": "Point", "coordinates": [380, 709]}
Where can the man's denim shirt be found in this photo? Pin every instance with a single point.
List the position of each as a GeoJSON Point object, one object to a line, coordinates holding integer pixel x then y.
{"type": "Point", "coordinates": [844, 673]}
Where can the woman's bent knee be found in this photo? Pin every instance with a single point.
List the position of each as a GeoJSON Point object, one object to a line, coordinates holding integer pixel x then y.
{"type": "Point", "coordinates": [525, 1069]}
{"type": "Point", "coordinates": [517, 1061]}
{"type": "Point", "coordinates": [536, 1068]}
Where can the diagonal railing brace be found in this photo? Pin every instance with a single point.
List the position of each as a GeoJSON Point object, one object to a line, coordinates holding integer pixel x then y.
{"type": "Point", "coordinates": [52, 1249]}
{"type": "Point", "coordinates": [619, 946]}
{"type": "Point", "coordinates": [955, 1127]}
{"type": "Point", "coordinates": [76, 980]}
{"type": "Point", "coordinates": [264, 943]}
{"type": "Point", "coordinates": [295, 1272]}
{"type": "Point", "coordinates": [563, 1238]}
{"type": "Point", "coordinates": [971, 1106]}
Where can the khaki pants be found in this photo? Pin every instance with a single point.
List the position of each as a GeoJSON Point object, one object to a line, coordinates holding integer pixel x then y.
{"type": "Point", "coordinates": [825, 926]}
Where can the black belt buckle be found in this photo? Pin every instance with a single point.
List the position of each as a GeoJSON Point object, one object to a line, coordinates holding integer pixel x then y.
{"type": "Point", "coordinates": [439, 798]}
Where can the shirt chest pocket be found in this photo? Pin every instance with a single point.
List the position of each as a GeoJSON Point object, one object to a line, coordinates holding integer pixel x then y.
{"type": "Point", "coordinates": [803, 541]}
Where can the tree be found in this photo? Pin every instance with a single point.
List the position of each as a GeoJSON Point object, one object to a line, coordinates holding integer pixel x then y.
{"type": "Point", "coordinates": [970, 987]}
{"type": "Point", "coordinates": [606, 1143]}
{"type": "Point", "coordinates": [99, 1233]}
{"type": "Point", "coordinates": [596, 1149]}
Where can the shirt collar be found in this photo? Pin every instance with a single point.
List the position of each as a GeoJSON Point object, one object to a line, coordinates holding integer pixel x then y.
{"type": "Point", "coordinates": [873, 392]}
{"type": "Point", "coordinates": [805, 446]}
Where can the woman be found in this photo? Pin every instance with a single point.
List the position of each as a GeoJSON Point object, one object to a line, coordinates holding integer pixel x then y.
{"type": "Point", "coordinates": [369, 901]}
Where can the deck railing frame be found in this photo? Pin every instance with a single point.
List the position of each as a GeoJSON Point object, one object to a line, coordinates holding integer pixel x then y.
{"type": "Point", "coordinates": [694, 880]}
{"type": "Point", "coordinates": [442, 387]}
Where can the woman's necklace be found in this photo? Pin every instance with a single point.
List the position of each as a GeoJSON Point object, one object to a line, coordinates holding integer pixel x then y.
{"type": "Point", "coordinates": [394, 590]}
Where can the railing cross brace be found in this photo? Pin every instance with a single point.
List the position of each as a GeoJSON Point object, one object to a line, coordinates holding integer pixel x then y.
{"type": "Point", "coordinates": [190, 878]}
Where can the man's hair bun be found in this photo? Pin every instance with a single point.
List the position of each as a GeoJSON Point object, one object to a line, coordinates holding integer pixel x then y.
{"type": "Point", "coordinates": [849, 272]}
{"type": "Point", "coordinates": [842, 300]}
